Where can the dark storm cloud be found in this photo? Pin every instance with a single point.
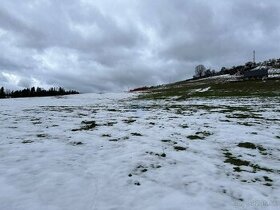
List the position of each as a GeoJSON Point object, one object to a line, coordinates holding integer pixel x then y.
{"type": "Point", "coordinates": [215, 31]}
{"type": "Point", "coordinates": [117, 45]}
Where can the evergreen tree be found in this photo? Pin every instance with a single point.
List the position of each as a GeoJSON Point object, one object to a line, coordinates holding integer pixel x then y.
{"type": "Point", "coordinates": [2, 92]}
{"type": "Point", "coordinates": [36, 92]}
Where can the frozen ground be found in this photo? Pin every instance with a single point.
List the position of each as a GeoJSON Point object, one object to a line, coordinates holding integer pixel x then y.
{"type": "Point", "coordinates": [107, 151]}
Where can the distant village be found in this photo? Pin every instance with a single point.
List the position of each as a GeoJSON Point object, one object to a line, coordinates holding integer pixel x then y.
{"type": "Point", "coordinates": [250, 70]}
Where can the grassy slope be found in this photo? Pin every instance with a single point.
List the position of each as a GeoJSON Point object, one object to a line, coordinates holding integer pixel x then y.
{"type": "Point", "coordinates": [218, 88]}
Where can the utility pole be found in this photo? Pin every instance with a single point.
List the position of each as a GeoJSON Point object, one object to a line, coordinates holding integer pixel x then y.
{"type": "Point", "coordinates": [254, 56]}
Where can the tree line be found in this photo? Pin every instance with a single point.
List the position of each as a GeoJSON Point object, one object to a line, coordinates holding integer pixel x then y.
{"type": "Point", "coordinates": [35, 92]}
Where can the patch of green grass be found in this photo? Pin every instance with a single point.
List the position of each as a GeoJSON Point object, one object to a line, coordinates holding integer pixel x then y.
{"type": "Point", "coordinates": [76, 143]}
{"type": "Point", "coordinates": [199, 135]}
{"type": "Point", "coordinates": [87, 125]}
{"type": "Point", "coordinates": [112, 110]}
{"type": "Point", "coordinates": [155, 166]}
{"type": "Point", "coordinates": [250, 145]}
{"type": "Point", "coordinates": [244, 115]}
{"type": "Point", "coordinates": [235, 161]}
{"type": "Point", "coordinates": [245, 123]}
{"type": "Point", "coordinates": [41, 135]}
{"type": "Point", "coordinates": [247, 145]}
{"type": "Point", "coordinates": [106, 135]}
{"type": "Point", "coordinates": [37, 123]}
{"type": "Point", "coordinates": [137, 183]}
{"type": "Point", "coordinates": [68, 109]}
{"type": "Point", "coordinates": [119, 139]}
{"type": "Point", "coordinates": [82, 115]}
{"type": "Point", "coordinates": [157, 154]}
{"type": "Point", "coordinates": [195, 137]}
{"type": "Point", "coordinates": [27, 141]}
{"type": "Point", "coordinates": [89, 122]}
{"type": "Point", "coordinates": [179, 148]}
{"type": "Point", "coordinates": [187, 89]}
{"type": "Point", "coordinates": [184, 126]}
{"type": "Point", "coordinates": [129, 120]}
{"type": "Point", "coordinates": [166, 140]}
{"type": "Point", "coordinates": [267, 179]}
{"type": "Point", "coordinates": [256, 168]}
{"type": "Point", "coordinates": [169, 141]}
{"type": "Point", "coordinates": [262, 150]}
{"type": "Point", "coordinates": [136, 134]}
{"type": "Point", "coordinates": [139, 170]}
{"type": "Point", "coordinates": [238, 163]}
{"type": "Point", "coordinates": [225, 121]}
{"type": "Point", "coordinates": [254, 133]}
{"type": "Point", "coordinates": [109, 123]}
{"type": "Point", "coordinates": [237, 108]}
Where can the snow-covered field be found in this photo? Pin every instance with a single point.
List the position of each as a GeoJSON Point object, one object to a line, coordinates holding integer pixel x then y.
{"type": "Point", "coordinates": [107, 151]}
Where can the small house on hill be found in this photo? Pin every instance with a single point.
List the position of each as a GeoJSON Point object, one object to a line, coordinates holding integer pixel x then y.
{"type": "Point", "coordinates": [256, 74]}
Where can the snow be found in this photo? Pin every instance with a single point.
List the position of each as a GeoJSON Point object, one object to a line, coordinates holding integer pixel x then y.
{"type": "Point", "coordinates": [201, 90]}
{"type": "Point", "coordinates": [49, 160]}
{"type": "Point", "coordinates": [273, 73]}
{"type": "Point", "coordinates": [221, 78]}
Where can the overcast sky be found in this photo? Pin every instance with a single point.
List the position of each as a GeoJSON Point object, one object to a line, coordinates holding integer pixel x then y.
{"type": "Point", "coordinates": [103, 45]}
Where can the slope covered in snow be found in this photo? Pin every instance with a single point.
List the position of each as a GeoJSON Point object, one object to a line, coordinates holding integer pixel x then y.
{"type": "Point", "coordinates": [109, 151]}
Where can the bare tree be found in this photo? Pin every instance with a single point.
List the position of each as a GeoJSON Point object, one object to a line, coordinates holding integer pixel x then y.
{"type": "Point", "coordinates": [200, 71]}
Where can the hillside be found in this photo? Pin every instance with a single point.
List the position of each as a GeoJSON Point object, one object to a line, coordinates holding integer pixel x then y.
{"type": "Point", "coordinates": [214, 87]}
{"type": "Point", "coordinates": [251, 79]}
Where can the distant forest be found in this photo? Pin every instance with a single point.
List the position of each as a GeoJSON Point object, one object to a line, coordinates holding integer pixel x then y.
{"type": "Point", "coordinates": [35, 92]}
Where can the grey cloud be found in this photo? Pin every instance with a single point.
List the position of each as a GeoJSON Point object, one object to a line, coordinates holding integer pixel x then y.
{"type": "Point", "coordinates": [104, 45]}
{"type": "Point", "coordinates": [25, 83]}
